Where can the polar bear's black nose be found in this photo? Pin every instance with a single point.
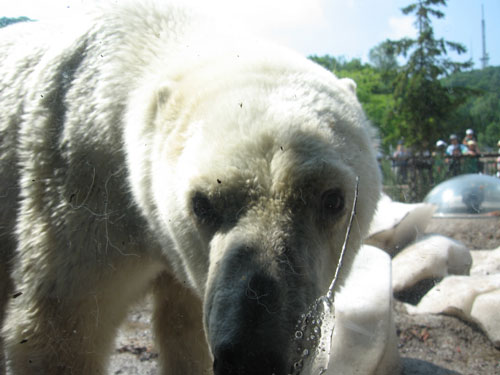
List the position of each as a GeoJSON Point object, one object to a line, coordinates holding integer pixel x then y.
{"type": "Point", "coordinates": [247, 322]}
{"type": "Point", "coordinates": [248, 329]}
{"type": "Point", "coordinates": [245, 361]}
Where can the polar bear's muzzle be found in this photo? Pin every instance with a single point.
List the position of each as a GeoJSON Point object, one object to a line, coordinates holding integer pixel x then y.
{"type": "Point", "coordinates": [245, 317]}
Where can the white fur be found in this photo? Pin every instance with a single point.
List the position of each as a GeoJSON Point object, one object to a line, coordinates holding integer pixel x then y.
{"type": "Point", "coordinates": [113, 128]}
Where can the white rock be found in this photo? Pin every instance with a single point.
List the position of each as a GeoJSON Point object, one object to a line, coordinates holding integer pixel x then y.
{"type": "Point", "coordinates": [485, 262]}
{"type": "Point", "coordinates": [397, 224]}
{"type": "Point", "coordinates": [433, 256]}
{"type": "Point", "coordinates": [364, 340]}
{"type": "Point", "coordinates": [485, 311]}
{"type": "Point", "coordinates": [457, 293]}
{"type": "Point", "coordinates": [472, 298]}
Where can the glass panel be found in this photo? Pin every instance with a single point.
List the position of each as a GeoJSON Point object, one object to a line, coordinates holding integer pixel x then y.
{"type": "Point", "coordinates": [474, 194]}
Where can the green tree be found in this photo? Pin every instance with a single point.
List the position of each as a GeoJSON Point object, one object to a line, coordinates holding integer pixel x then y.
{"type": "Point", "coordinates": [375, 94]}
{"type": "Point", "coordinates": [383, 57]}
{"type": "Point", "coordinates": [328, 62]}
{"type": "Point", "coordinates": [480, 112]}
{"type": "Point", "coordinates": [374, 91]}
{"type": "Point", "coordinates": [422, 101]}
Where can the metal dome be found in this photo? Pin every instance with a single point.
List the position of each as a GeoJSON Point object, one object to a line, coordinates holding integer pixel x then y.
{"type": "Point", "coordinates": [469, 194]}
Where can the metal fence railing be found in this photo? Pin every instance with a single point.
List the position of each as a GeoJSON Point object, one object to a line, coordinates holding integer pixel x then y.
{"type": "Point", "coordinates": [412, 178]}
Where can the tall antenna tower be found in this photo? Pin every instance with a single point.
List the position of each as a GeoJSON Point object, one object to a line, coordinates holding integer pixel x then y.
{"type": "Point", "coordinates": [485, 58]}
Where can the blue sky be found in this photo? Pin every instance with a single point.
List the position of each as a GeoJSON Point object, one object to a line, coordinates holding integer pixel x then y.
{"type": "Point", "coordinates": [336, 27]}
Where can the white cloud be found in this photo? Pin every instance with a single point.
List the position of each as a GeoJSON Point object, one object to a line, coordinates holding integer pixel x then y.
{"type": "Point", "coordinates": [401, 27]}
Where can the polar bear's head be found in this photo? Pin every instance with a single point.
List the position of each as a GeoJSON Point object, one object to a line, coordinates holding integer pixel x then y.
{"type": "Point", "coordinates": [250, 176]}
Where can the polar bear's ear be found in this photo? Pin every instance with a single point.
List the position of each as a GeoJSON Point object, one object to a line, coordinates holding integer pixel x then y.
{"type": "Point", "coordinates": [348, 84]}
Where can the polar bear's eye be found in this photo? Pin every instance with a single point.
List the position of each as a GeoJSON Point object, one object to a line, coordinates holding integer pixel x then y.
{"type": "Point", "coordinates": [332, 202]}
{"type": "Point", "coordinates": [204, 210]}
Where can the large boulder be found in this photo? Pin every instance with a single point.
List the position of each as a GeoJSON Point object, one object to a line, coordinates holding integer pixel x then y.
{"type": "Point", "coordinates": [485, 262]}
{"type": "Point", "coordinates": [364, 339]}
{"type": "Point", "coordinates": [396, 224]}
{"type": "Point", "coordinates": [431, 257]}
{"type": "Point", "coordinates": [472, 298]}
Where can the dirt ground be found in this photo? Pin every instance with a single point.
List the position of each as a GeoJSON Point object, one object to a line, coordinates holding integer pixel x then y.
{"type": "Point", "coordinates": [429, 344]}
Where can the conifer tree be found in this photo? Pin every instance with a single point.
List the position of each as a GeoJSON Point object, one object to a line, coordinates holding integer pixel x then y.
{"type": "Point", "coordinates": [421, 100]}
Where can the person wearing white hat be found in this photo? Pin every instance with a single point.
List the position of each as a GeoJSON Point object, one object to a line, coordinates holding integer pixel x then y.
{"type": "Point", "coordinates": [469, 136]}
{"type": "Point", "coordinates": [472, 164]}
{"type": "Point", "coordinates": [455, 149]}
{"type": "Point", "coordinates": [440, 170]}
{"type": "Point", "coordinates": [441, 143]}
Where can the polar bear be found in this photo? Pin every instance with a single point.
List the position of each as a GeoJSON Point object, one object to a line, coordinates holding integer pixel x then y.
{"type": "Point", "coordinates": [144, 150]}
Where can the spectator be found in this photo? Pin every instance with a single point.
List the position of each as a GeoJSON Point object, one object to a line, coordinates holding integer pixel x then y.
{"type": "Point", "coordinates": [472, 164]}
{"type": "Point", "coordinates": [469, 136]}
{"type": "Point", "coordinates": [472, 148]}
{"type": "Point", "coordinates": [400, 162]}
{"type": "Point", "coordinates": [441, 147]}
{"type": "Point", "coordinates": [455, 148]}
{"type": "Point", "coordinates": [439, 161]}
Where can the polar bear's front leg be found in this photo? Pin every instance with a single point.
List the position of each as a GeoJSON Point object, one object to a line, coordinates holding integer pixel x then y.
{"type": "Point", "coordinates": [5, 293]}
{"type": "Point", "coordinates": [179, 331]}
{"type": "Point", "coordinates": [56, 337]}
{"type": "Point", "coordinates": [50, 332]}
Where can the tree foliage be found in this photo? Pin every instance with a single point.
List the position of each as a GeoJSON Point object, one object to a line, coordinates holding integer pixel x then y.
{"type": "Point", "coordinates": [374, 91]}
{"type": "Point", "coordinates": [422, 101]}
{"type": "Point", "coordinates": [428, 98]}
{"type": "Point", "coordinates": [383, 57]}
{"type": "Point", "coordinates": [480, 112]}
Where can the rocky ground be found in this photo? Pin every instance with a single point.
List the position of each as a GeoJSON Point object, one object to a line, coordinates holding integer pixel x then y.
{"type": "Point", "coordinates": [429, 344]}
{"type": "Point", "coordinates": [438, 344]}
